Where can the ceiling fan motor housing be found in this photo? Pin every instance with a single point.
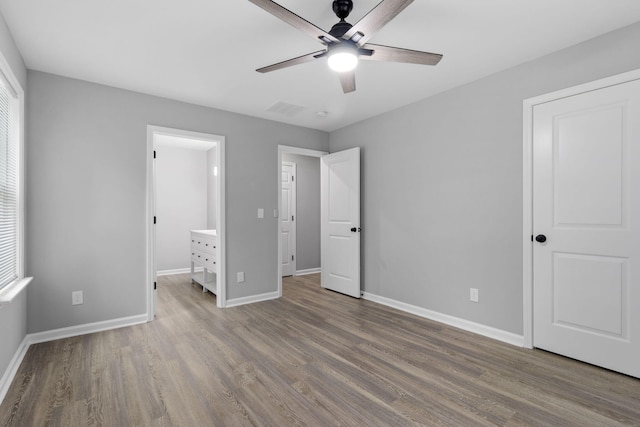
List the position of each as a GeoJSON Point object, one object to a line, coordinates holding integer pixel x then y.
{"type": "Point", "coordinates": [342, 8]}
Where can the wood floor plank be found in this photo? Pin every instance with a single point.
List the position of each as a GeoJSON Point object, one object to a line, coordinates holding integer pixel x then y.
{"type": "Point", "coordinates": [312, 357]}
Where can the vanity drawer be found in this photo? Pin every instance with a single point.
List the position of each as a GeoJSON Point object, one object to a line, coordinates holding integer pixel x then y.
{"type": "Point", "coordinates": [205, 244]}
{"type": "Point", "coordinates": [208, 244]}
{"type": "Point", "coordinates": [205, 259]}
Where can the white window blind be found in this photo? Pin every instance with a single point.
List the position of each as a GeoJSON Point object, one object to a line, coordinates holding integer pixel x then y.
{"type": "Point", "coordinates": [8, 186]}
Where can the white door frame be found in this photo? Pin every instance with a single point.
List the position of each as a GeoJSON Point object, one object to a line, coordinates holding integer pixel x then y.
{"type": "Point", "coordinates": [527, 186]}
{"type": "Point", "coordinates": [290, 150]}
{"type": "Point", "coordinates": [152, 130]}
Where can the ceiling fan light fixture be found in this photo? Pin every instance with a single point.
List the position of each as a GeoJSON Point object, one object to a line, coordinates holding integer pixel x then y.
{"type": "Point", "coordinates": [342, 59]}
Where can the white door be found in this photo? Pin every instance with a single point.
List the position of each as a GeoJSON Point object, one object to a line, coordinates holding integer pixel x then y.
{"type": "Point", "coordinates": [288, 219]}
{"type": "Point", "coordinates": [340, 221]}
{"type": "Point", "coordinates": [586, 203]}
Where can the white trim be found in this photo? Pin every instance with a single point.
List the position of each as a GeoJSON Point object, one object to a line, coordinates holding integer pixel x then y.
{"type": "Point", "coordinates": [308, 271]}
{"type": "Point", "coordinates": [477, 328]}
{"type": "Point", "coordinates": [12, 290]}
{"type": "Point", "coordinates": [17, 90]}
{"type": "Point", "coordinates": [221, 291]}
{"type": "Point", "coordinates": [252, 299]}
{"type": "Point", "coordinates": [290, 150]}
{"type": "Point", "coordinates": [87, 328]}
{"type": "Point", "coordinates": [177, 271]}
{"type": "Point", "coordinates": [12, 369]}
{"type": "Point", "coordinates": [527, 184]}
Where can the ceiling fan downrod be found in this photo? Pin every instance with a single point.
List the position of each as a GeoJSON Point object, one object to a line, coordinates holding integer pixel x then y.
{"type": "Point", "coordinates": [342, 9]}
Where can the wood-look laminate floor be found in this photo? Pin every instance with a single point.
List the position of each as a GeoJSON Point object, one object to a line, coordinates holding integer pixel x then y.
{"type": "Point", "coordinates": [313, 358]}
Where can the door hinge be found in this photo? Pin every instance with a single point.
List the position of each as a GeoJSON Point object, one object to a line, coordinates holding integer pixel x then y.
{"type": "Point", "coordinates": [532, 237]}
{"type": "Point", "coordinates": [154, 219]}
{"type": "Point", "coordinates": [291, 217]}
{"type": "Point", "coordinates": [155, 285]}
{"type": "Point", "coordinates": [291, 257]}
{"type": "Point", "coordinates": [154, 154]}
{"type": "Point", "coordinates": [292, 178]}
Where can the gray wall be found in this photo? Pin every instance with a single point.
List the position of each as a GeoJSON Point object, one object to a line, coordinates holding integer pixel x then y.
{"type": "Point", "coordinates": [86, 165]}
{"type": "Point", "coordinates": [13, 317]}
{"type": "Point", "coordinates": [181, 203]}
{"type": "Point", "coordinates": [212, 189]}
{"type": "Point", "coordinates": [308, 210]}
{"type": "Point", "coordinates": [442, 185]}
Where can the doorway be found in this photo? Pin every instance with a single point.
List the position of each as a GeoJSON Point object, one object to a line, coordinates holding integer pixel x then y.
{"type": "Point", "coordinates": [581, 260]}
{"type": "Point", "coordinates": [309, 212]}
{"type": "Point", "coordinates": [339, 218]}
{"type": "Point", "coordinates": [179, 144]}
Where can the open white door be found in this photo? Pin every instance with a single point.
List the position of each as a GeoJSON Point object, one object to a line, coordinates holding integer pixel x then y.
{"type": "Point", "coordinates": [586, 211]}
{"type": "Point", "coordinates": [288, 218]}
{"type": "Point", "coordinates": [340, 221]}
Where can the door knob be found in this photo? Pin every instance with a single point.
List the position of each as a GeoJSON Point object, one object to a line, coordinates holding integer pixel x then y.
{"type": "Point", "coordinates": [541, 238]}
{"type": "Point", "coordinates": [355, 230]}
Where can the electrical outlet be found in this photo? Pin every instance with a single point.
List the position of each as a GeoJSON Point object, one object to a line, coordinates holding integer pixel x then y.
{"type": "Point", "coordinates": [260, 213]}
{"type": "Point", "coordinates": [77, 298]}
{"type": "Point", "coordinates": [240, 276]}
{"type": "Point", "coordinates": [474, 295]}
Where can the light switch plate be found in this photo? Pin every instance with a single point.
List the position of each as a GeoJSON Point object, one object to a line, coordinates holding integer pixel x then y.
{"type": "Point", "coordinates": [260, 213]}
{"type": "Point", "coordinates": [240, 276]}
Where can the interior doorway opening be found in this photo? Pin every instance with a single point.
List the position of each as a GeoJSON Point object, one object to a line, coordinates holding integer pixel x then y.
{"type": "Point", "coordinates": [305, 250]}
{"type": "Point", "coordinates": [185, 193]}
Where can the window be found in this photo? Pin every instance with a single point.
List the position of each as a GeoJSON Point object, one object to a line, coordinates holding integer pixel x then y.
{"type": "Point", "coordinates": [8, 188]}
{"type": "Point", "coordinates": [11, 274]}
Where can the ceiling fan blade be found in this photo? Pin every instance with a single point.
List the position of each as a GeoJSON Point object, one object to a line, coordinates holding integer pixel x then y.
{"type": "Point", "coordinates": [373, 21]}
{"type": "Point", "coordinates": [291, 62]}
{"type": "Point", "coordinates": [348, 81]}
{"type": "Point", "coordinates": [292, 19]}
{"type": "Point", "coordinates": [398, 54]}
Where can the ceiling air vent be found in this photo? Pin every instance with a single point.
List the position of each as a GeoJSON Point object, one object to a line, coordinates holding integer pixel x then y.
{"type": "Point", "coordinates": [285, 109]}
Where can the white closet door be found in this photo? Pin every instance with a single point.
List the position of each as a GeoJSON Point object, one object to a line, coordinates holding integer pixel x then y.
{"type": "Point", "coordinates": [586, 204]}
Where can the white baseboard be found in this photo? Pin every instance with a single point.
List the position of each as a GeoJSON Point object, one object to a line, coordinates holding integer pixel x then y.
{"type": "Point", "coordinates": [251, 299]}
{"type": "Point", "coordinates": [88, 328]}
{"type": "Point", "coordinates": [307, 271]}
{"type": "Point", "coordinates": [56, 334]}
{"type": "Point", "coordinates": [176, 271]}
{"type": "Point", "coordinates": [12, 369]}
{"type": "Point", "coordinates": [477, 328]}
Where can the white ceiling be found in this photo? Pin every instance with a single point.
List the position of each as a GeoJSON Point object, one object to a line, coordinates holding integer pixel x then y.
{"type": "Point", "coordinates": [205, 51]}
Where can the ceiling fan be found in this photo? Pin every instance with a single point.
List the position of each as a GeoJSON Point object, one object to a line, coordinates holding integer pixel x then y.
{"type": "Point", "coordinates": [345, 43]}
